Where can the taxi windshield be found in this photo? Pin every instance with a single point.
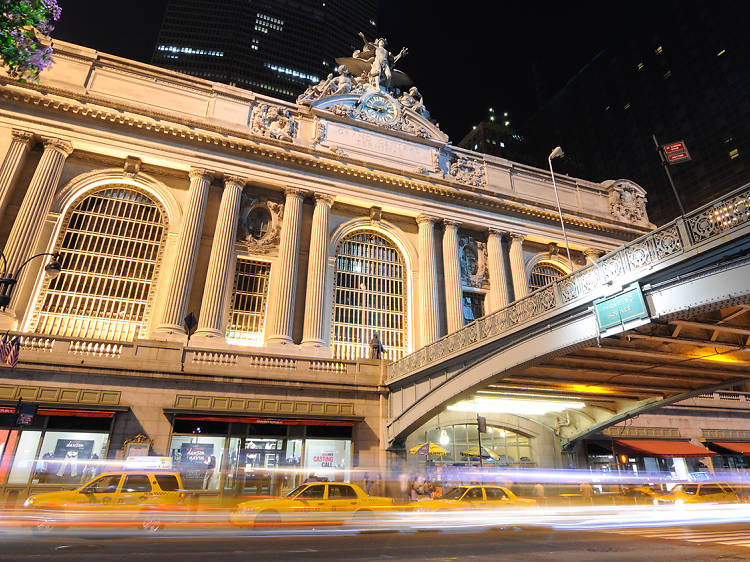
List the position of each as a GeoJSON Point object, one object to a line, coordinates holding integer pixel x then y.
{"type": "Point", "coordinates": [455, 493]}
{"type": "Point", "coordinates": [296, 491]}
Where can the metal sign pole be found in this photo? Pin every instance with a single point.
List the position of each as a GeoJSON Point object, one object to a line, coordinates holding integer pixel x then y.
{"type": "Point", "coordinates": [669, 176]}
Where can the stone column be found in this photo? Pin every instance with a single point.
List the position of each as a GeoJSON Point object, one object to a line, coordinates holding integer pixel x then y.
{"type": "Point", "coordinates": [591, 255]}
{"type": "Point", "coordinates": [454, 310]}
{"type": "Point", "coordinates": [19, 147]}
{"type": "Point", "coordinates": [24, 235]}
{"type": "Point", "coordinates": [498, 275]}
{"type": "Point", "coordinates": [517, 267]}
{"type": "Point", "coordinates": [314, 329]}
{"type": "Point", "coordinates": [210, 321]}
{"type": "Point", "coordinates": [283, 279]}
{"type": "Point", "coordinates": [428, 302]}
{"type": "Point", "coordinates": [183, 265]}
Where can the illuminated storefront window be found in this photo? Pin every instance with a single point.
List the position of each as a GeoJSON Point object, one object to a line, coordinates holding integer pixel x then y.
{"type": "Point", "coordinates": [369, 297]}
{"type": "Point", "coordinates": [111, 244]}
{"type": "Point", "coordinates": [248, 314]}
{"type": "Point", "coordinates": [542, 274]}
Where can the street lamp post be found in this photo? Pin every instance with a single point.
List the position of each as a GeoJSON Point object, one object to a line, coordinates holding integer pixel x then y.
{"type": "Point", "coordinates": [8, 280]}
{"type": "Point", "coordinates": [554, 154]}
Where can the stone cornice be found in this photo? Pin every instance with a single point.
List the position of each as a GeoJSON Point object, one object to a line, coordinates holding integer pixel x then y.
{"type": "Point", "coordinates": [200, 130]}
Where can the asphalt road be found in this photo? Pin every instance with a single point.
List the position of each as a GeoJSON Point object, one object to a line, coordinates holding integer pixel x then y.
{"type": "Point", "coordinates": [683, 544]}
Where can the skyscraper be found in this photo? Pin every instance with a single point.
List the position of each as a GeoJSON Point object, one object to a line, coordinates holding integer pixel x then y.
{"type": "Point", "coordinates": [678, 73]}
{"type": "Point", "coordinates": [276, 48]}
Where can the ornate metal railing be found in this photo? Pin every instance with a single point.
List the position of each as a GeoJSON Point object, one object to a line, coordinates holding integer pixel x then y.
{"type": "Point", "coordinates": [713, 220]}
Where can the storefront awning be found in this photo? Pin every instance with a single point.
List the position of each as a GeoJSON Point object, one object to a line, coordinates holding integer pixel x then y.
{"type": "Point", "coordinates": [264, 420]}
{"type": "Point", "coordinates": [661, 449]}
{"type": "Point", "coordinates": [738, 447]}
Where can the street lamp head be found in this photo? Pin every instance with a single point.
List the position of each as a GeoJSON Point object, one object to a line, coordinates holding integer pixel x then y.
{"type": "Point", "coordinates": [53, 268]}
{"type": "Point", "coordinates": [555, 153]}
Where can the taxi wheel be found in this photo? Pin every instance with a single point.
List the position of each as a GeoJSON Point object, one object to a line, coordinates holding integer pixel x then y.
{"type": "Point", "coordinates": [268, 518]}
{"type": "Point", "coordinates": [42, 527]}
{"type": "Point", "coordinates": [152, 525]}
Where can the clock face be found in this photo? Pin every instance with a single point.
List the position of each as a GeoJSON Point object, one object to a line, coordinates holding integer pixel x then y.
{"type": "Point", "coordinates": [379, 109]}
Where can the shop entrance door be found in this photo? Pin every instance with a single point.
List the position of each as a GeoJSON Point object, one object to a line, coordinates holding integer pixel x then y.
{"type": "Point", "coordinates": [262, 459]}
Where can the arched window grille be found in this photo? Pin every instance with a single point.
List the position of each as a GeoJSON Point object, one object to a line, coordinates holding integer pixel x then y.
{"type": "Point", "coordinates": [542, 274]}
{"type": "Point", "coordinates": [369, 296]}
{"type": "Point", "coordinates": [247, 316]}
{"type": "Point", "coordinates": [111, 244]}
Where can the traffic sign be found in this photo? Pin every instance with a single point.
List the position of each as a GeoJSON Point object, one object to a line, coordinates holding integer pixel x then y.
{"type": "Point", "coordinates": [676, 152]}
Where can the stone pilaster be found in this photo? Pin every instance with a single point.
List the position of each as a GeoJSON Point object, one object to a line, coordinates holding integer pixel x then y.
{"type": "Point", "coordinates": [283, 280]}
{"type": "Point", "coordinates": [186, 252]}
{"type": "Point", "coordinates": [498, 274]}
{"type": "Point", "coordinates": [315, 317]}
{"type": "Point", "coordinates": [428, 302]}
{"type": "Point", "coordinates": [518, 267]}
{"type": "Point", "coordinates": [20, 145]}
{"type": "Point", "coordinates": [592, 255]}
{"type": "Point", "coordinates": [452, 276]}
{"type": "Point", "coordinates": [211, 319]}
{"type": "Point", "coordinates": [24, 235]}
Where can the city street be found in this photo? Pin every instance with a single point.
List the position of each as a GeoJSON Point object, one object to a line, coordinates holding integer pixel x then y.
{"type": "Point", "coordinates": [697, 543]}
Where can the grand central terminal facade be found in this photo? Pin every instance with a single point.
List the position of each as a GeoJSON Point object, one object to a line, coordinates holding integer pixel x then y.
{"type": "Point", "coordinates": [292, 233]}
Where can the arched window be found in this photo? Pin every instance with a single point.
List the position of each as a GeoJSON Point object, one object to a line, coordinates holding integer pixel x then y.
{"type": "Point", "coordinates": [369, 296]}
{"type": "Point", "coordinates": [542, 274]}
{"type": "Point", "coordinates": [111, 245]}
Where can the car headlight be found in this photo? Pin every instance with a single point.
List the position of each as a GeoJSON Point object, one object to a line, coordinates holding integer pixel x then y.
{"type": "Point", "coordinates": [29, 502]}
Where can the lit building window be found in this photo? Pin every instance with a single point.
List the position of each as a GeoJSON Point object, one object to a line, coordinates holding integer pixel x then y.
{"type": "Point", "coordinates": [721, 52]}
{"type": "Point", "coordinates": [542, 274]}
{"type": "Point", "coordinates": [247, 317]}
{"type": "Point", "coordinates": [111, 245]}
{"type": "Point", "coordinates": [640, 66]}
{"type": "Point", "coordinates": [369, 296]}
{"type": "Point", "coordinates": [734, 153]}
{"type": "Point", "coordinates": [291, 72]}
{"type": "Point", "coordinates": [659, 50]}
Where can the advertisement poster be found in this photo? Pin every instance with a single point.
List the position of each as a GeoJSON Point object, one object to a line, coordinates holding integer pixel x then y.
{"type": "Point", "coordinates": [328, 459]}
{"type": "Point", "coordinates": [194, 462]}
{"type": "Point", "coordinates": [68, 460]}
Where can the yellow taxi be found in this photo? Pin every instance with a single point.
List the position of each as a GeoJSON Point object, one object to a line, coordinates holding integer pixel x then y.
{"type": "Point", "coordinates": [474, 497]}
{"type": "Point", "coordinates": [316, 501]}
{"type": "Point", "coordinates": [697, 492]}
{"type": "Point", "coordinates": [144, 493]}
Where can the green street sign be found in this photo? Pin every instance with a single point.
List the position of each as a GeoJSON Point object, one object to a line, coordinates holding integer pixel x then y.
{"type": "Point", "coordinates": [616, 310]}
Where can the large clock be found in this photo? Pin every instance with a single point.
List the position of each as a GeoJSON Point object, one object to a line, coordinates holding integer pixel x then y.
{"type": "Point", "coordinates": [379, 109]}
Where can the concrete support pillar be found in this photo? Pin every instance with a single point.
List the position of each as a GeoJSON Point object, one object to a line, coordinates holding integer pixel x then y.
{"type": "Point", "coordinates": [183, 265]}
{"type": "Point", "coordinates": [317, 261]}
{"type": "Point", "coordinates": [24, 235]}
{"type": "Point", "coordinates": [283, 280]}
{"type": "Point", "coordinates": [428, 301]}
{"type": "Point", "coordinates": [20, 145]}
{"type": "Point", "coordinates": [517, 267]}
{"type": "Point", "coordinates": [592, 255]}
{"type": "Point", "coordinates": [498, 275]}
{"type": "Point", "coordinates": [211, 319]}
{"type": "Point", "coordinates": [454, 310]}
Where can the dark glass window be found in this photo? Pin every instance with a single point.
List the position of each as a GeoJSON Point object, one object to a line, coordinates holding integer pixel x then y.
{"type": "Point", "coordinates": [340, 491]}
{"type": "Point", "coordinates": [167, 482]}
{"type": "Point", "coordinates": [135, 483]}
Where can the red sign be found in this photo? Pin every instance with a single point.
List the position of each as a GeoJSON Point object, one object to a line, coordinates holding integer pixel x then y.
{"type": "Point", "coordinates": [676, 152]}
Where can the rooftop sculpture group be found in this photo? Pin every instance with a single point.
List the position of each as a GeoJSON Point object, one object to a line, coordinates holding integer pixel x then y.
{"type": "Point", "coordinates": [371, 68]}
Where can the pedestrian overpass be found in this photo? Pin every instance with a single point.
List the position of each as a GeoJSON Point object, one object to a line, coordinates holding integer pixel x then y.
{"type": "Point", "coordinates": [661, 319]}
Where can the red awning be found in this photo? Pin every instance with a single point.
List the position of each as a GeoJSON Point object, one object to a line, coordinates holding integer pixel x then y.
{"type": "Point", "coordinates": [741, 448]}
{"type": "Point", "coordinates": [269, 421]}
{"type": "Point", "coordinates": [662, 449]}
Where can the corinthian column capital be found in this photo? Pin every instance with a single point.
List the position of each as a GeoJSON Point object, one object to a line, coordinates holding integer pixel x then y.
{"type": "Point", "coordinates": [515, 236]}
{"type": "Point", "coordinates": [200, 173]}
{"type": "Point", "coordinates": [60, 145]}
{"type": "Point", "coordinates": [497, 232]}
{"type": "Point", "coordinates": [19, 135]}
{"type": "Point", "coordinates": [451, 223]}
{"type": "Point", "coordinates": [235, 181]}
{"type": "Point", "coordinates": [422, 219]}
{"type": "Point", "coordinates": [324, 199]}
{"type": "Point", "coordinates": [293, 192]}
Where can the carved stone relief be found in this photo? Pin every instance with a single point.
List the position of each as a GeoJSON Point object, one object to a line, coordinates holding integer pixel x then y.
{"type": "Point", "coordinates": [627, 201]}
{"type": "Point", "coordinates": [259, 224]}
{"type": "Point", "coordinates": [462, 169]}
{"type": "Point", "coordinates": [473, 261]}
{"type": "Point", "coordinates": [273, 122]}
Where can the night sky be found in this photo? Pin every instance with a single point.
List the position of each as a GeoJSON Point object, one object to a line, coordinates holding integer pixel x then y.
{"type": "Point", "coordinates": [463, 57]}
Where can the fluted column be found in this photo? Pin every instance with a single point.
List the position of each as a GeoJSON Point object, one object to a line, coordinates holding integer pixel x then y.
{"type": "Point", "coordinates": [454, 310]}
{"type": "Point", "coordinates": [498, 275]}
{"type": "Point", "coordinates": [24, 236]}
{"type": "Point", "coordinates": [183, 265]}
{"type": "Point", "coordinates": [20, 144]}
{"type": "Point", "coordinates": [428, 302]}
{"type": "Point", "coordinates": [517, 267]}
{"type": "Point", "coordinates": [212, 306]}
{"type": "Point", "coordinates": [283, 280]}
{"type": "Point", "coordinates": [314, 328]}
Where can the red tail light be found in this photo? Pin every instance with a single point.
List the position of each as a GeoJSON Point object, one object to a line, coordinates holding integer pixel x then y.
{"type": "Point", "coordinates": [182, 495]}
